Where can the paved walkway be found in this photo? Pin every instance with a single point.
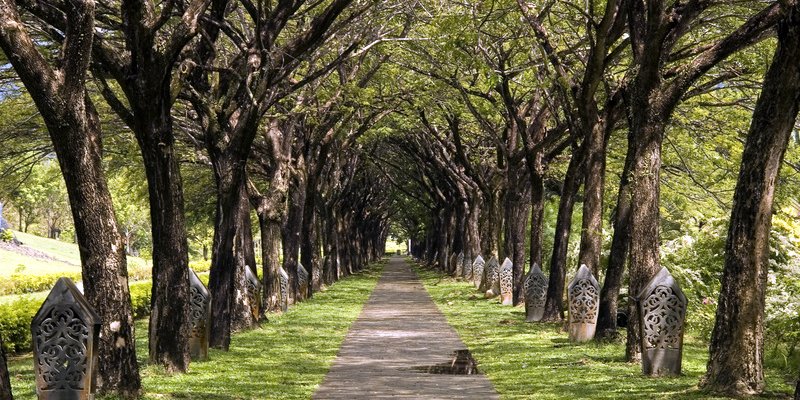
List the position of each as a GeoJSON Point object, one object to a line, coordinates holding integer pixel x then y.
{"type": "Point", "coordinates": [400, 328]}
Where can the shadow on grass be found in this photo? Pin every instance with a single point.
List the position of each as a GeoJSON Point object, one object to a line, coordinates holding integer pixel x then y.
{"type": "Point", "coordinates": [536, 360]}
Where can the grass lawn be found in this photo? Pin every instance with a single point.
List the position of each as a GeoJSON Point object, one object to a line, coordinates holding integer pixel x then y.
{"type": "Point", "coordinates": [536, 361]}
{"type": "Point", "coordinates": [285, 358]}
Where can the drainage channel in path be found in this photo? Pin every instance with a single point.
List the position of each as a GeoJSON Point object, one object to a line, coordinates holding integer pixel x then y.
{"type": "Point", "coordinates": [462, 364]}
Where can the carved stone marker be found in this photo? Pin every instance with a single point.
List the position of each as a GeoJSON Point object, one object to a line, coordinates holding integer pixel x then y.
{"type": "Point", "coordinates": [662, 309]}
{"type": "Point", "coordinates": [302, 281]}
{"type": "Point", "coordinates": [65, 335]}
{"type": "Point", "coordinates": [467, 268]}
{"type": "Point", "coordinates": [253, 292]}
{"type": "Point", "coordinates": [507, 283]}
{"type": "Point", "coordinates": [535, 294]}
{"type": "Point", "coordinates": [460, 265]}
{"type": "Point", "coordinates": [477, 271]}
{"type": "Point", "coordinates": [584, 303]}
{"type": "Point", "coordinates": [284, 278]}
{"type": "Point", "coordinates": [492, 278]}
{"type": "Point", "coordinates": [200, 317]}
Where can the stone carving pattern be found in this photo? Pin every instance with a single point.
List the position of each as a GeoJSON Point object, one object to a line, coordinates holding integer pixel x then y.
{"type": "Point", "coordinates": [467, 267]}
{"type": "Point", "coordinates": [663, 322]}
{"type": "Point", "coordinates": [284, 278]}
{"type": "Point", "coordinates": [506, 275]}
{"type": "Point", "coordinates": [583, 301]}
{"type": "Point", "coordinates": [535, 290]}
{"type": "Point", "coordinates": [252, 291]}
{"type": "Point", "coordinates": [477, 269]}
{"type": "Point", "coordinates": [61, 339]}
{"type": "Point", "coordinates": [491, 273]}
{"type": "Point", "coordinates": [302, 276]}
{"type": "Point", "coordinates": [197, 310]}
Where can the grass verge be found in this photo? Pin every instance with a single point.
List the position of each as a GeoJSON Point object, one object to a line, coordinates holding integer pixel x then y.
{"type": "Point", "coordinates": [537, 361]}
{"type": "Point", "coordinates": [285, 358]}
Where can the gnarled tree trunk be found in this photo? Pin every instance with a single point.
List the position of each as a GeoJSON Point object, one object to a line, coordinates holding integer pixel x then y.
{"type": "Point", "coordinates": [554, 303]}
{"type": "Point", "coordinates": [737, 341]}
{"type": "Point", "coordinates": [74, 127]}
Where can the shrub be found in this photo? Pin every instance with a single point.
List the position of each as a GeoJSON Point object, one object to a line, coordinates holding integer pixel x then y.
{"type": "Point", "coordinates": [20, 283]}
{"type": "Point", "coordinates": [16, 317]}
{"type": "Point", "coordinates": [200, 265]}
{"type": "Point", "coordinates": [15, 323]}
{"type": "Point", "coordinates": [6, 235]}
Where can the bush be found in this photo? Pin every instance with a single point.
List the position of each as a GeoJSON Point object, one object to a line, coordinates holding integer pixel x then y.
{"type": "Point", "coordinates": [6, 235]}
{"type": "Point", "coordinates": [20, 283]}
{"type": "Point", "coordinates": [200, 265]}
{"type": "Point", "coordinates": [15, 324]}
{"type": "Point", "coordinates": [16, 317]}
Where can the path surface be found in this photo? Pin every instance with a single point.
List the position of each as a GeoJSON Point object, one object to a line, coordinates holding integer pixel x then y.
{"type": "Point", "coordinates": [398, 329]}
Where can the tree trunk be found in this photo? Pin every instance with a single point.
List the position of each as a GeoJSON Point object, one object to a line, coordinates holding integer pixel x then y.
{"type": "Point", "coordinates": [645, 261]}
{"type": "Point", "coordinates": [105, 273]}
{"type": "Point", "coordinates": [291, 235]}
{"type": "Point", "coordinates": [270, 263]}
{"type": "Point", "coordinates": [607, 315]}
{"type": "Point", "coordinates": [592, 225]}
{"type": "Point", "coordinates": [797, 390]}
{"type": "Point", "coordinates": [169, 315]}
{"type": "Point", "coordinates": [537, 220]}
{"type": "Point", "coordinates": [230, 308]}
{"type": "Point", "coordinates": [309, 246]}
{"type": "Point", "coordinates": [554, 303]}
{"type": "Point", "coordinates": [75, 130]}
{"type": "Point", "coordinates": [5, 381]}
{"type": "Point", "coordinates": [517, 211]}
{"type": "Point", "coordinates": [737, 341]}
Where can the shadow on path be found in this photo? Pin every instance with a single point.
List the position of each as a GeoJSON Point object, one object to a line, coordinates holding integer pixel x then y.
{"type": "Point", "coordinates": [399, 335]}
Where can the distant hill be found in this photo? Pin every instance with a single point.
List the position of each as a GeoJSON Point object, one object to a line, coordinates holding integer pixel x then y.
{"type": "Point", "coordinates": [39, 255]}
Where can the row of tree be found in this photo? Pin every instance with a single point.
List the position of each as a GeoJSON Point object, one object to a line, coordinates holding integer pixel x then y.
{"type": "Point", "coordinates": [454, 121]}
{"type": "Point", "coordinates": [526, 99]}
{"type": "Point", "coordinates": [269, 96]}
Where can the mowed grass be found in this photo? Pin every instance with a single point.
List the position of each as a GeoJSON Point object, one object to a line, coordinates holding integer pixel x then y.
{"type": "Point", "coordinates": [537, 361]}
{"type": "Point", "coordinates": [285, 358]}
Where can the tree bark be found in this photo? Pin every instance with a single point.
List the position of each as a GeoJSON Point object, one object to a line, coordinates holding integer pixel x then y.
{"type": "Point", "coordinates": [75, 130]}
{"type": "Point", "coordinates": [516, 214]}
{"type": "Point", "coordinates": [5, 381]}
{"type": "Point", "coordinates": [291, 233]}
{"type": "Point", "coordinates": [737, 341]}
{"type": "Point", "coordinates": [554, 303]}
{"type": "Point", "coordinates": [591, 246]}
{"type": "Point", "coordinates": [169, 314]}
{"type": "Point", "coordinates": [230, 309]}
{"type": "Point", "coordinates": [537, 220]}
{"type": "Point", "coordinates": [607, 315]}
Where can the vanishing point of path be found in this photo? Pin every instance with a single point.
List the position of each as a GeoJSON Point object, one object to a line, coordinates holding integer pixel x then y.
{"type": "Point", "coordinates": [400, 328]}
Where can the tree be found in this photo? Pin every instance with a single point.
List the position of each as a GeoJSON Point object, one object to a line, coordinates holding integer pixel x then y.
{"type": "Point", "coordinates": [655, 88]}
{"type": "Point", "coordinates": [152, 40]}
{"type": "Point", "coordinates": [5, 382]}
{"type": "Point", "coordinates": [60, 94]}
{"type": "Point", "coordinates": [737, 342]}
{"type": "Point", "coordinates": [231, 110]}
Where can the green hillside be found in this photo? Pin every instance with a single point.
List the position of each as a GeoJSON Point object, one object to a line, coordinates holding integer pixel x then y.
{"type": "Point", "coordinates": [40, 256]}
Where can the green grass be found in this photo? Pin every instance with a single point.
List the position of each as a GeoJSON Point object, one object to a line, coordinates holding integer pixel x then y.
{"type": "Point", "coordinates": [56, 248]}
{"type": "Point", "coordinates": [14, 262]}
{"type": "Point", "coordinates": [285, 358]}
{"type": "Point", "coordinates": [536, 360]}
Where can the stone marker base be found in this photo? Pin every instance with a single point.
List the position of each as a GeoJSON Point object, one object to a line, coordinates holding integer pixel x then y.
{"type": "Point", "coordinates": [506, 299]}
{"type": "Point", "coordinates": [581, 332]}
{"type": "Point", "coordinates": [661, 362]}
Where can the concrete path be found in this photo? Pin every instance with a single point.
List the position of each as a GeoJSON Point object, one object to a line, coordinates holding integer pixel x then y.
{"type": "Point", "coordinates": [400, 328]}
